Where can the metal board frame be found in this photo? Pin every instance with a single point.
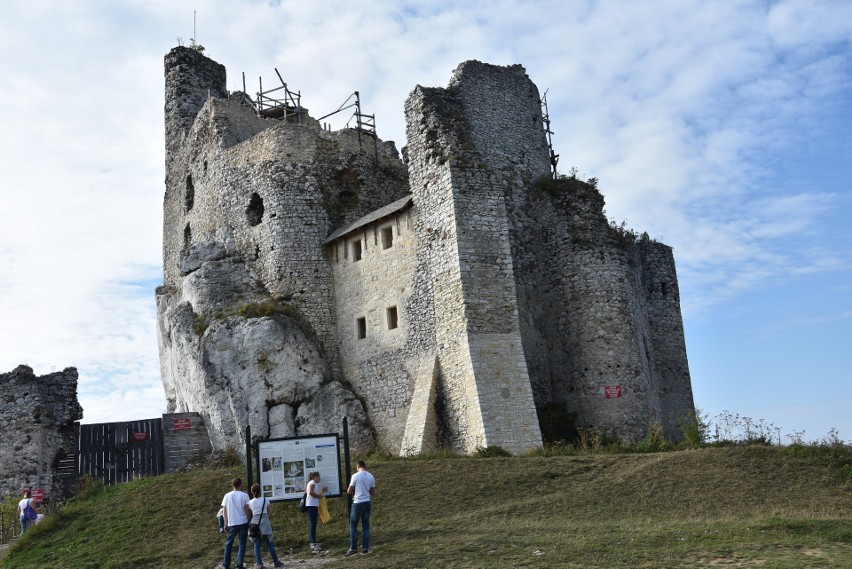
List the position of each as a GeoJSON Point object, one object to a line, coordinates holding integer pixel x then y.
{"type": "Point", "coordinates": [283, 466]}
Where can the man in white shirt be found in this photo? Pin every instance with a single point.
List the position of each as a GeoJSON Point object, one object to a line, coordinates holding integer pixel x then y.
{"type": "Point", "coordinates": [237, 515]}
{"type": "Point", "coordinates": [362, 487]}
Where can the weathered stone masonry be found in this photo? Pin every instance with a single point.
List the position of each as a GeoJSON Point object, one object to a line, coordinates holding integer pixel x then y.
{"type": "Point", "coordinates": [37, 428]}
{"type": "Point", "coordinates": [440, 302]}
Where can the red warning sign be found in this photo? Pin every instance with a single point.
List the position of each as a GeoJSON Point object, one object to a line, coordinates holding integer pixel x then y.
{"type": "Point", "coordinates": [182, 424]}
{"type": "Point", "coordinates": [612, 391]}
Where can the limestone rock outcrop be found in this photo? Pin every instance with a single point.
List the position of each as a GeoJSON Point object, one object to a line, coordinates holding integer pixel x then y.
{"type": "Point", "coordinates": [240, 357]}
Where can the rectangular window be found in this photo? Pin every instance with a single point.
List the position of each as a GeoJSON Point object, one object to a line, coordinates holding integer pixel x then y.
{"type": "Point", "coordinates": [356, 250]}
{"type": "Point", "coordinates": [361, 328]}
{"type": "Point", "coordinates": [387, 237]}
{"type": "Point", "coordinates": [393, 323]}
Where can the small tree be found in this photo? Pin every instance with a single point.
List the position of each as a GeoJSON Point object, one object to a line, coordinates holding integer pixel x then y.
{"type": "Point", "coordinates": [695, 428]}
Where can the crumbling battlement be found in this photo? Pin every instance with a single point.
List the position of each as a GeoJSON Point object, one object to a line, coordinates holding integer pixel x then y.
{"type": "Point", "coordinates": [37, 422]}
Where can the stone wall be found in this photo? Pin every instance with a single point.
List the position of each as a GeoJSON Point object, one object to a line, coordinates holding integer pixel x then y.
{"type": "Point", "coordinates": [373, 272]}
{"type": "Point", "coordinates": [590, 317]}
{"type": "Point", "coordinates": [463, 156]}
{"type": "Point", "coordinates": [666, 335]}
{"type": "Point", "coordinates": [37, 422]}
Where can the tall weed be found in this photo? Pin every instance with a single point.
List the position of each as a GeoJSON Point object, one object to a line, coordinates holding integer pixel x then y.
{"type": "Point", "coordinates": [655, 441]}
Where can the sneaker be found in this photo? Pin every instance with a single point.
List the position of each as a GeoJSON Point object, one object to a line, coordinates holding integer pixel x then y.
{"type": "Point", "coordinates": [278, 564]}
{"type": "Point", "coordinates": [350, 553]}
{"type": "Point", "coordinates": [365, 552]}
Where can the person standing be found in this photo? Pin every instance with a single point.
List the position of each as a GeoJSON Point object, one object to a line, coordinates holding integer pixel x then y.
{"type": "Point", "coordinates": [312, 502]}
{"type": "Point", "coordinates": [22, 506]}
{"type": "Point", "coordinates": [260, 515]}
{"type": "Point", "coordinates": [237, 514]}
{"type": "Point", "coordinates": [362, 487]}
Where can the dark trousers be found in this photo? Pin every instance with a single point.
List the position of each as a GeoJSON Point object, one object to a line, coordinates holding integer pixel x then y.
{"type": "Point", "coordinates": [360, 513]}
{"type": "Point", "coordinates": [233, 531]}
{"type": "Point", "coordinates": [313, 516]}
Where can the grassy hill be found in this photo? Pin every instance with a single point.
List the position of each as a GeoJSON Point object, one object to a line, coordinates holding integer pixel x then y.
{"type": "Point", "coordinates": [741, 506]}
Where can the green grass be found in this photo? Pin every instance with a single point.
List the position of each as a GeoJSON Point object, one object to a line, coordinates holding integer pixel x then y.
{"type": "Point", "coordinates": [741, 506]}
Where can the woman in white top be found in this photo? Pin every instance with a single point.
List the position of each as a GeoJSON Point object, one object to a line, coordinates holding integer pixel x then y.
{"type": "Point", "coordinates": [22, 506]}
{"type": "Point", "coordinates": [260, 515]}
{"type": "Point", "coordinates": [312, 501]}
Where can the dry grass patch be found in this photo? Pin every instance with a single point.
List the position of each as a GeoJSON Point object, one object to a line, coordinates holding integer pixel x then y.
{"type": "Point", "coordinates": [724, 507]}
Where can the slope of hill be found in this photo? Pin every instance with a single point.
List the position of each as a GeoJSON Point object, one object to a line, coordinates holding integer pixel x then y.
{"type": "Point", "coordinates": [731, 507]}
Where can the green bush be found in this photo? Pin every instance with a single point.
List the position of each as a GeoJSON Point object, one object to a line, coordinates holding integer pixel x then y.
{"type": "Point", "coordinates": [491, 452]}
{"type": "Point", "coordinates": [695, 429]}
{"type": "Point", "coordinates": [655, 441]}
{"type": "Point", "coordinates": [199, 324]}
{"type": "Point", "coordinates": [833, 456]}
{"type": "Point", "coordinates": [598, 441]}
{"type": "Point", "coordinates": [9, 524]}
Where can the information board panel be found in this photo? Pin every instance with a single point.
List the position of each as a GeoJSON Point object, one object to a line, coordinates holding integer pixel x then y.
{"type": "Point", "coordinates": [283, 465]}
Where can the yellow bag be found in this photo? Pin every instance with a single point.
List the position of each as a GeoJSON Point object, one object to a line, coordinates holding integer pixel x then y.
{"type": "Point", "coordinates": [323, 510]}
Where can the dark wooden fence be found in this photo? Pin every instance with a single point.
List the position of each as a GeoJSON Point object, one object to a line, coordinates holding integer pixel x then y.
{"type": "Point", "coordinates": [118, 452]}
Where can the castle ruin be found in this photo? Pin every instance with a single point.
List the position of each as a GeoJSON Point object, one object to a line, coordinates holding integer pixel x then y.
{"type": "Point", "coordinates": [38, 418]}
{"type": "Point", "coordinates": [458, 298]}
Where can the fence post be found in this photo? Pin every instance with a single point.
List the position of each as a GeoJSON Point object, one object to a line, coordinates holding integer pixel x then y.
{"type": "Point", "coordinates": [347, 462]}
{"type": "Point", "coordinates": [249, 474]}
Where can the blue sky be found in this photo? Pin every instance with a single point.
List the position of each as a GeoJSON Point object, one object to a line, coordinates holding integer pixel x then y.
{"type": "Point", "coordinates": [720, 128]}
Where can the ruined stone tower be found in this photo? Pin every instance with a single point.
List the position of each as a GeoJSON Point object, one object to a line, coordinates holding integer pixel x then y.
{"type": "Point", "coordinates": [38, 416]}
{"type": "Point", "coordinates": [449, 301]}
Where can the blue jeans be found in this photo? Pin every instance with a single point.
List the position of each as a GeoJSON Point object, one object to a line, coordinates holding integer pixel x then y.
{"type": "Point", "coordinates": [242, 530]}
{"type": "Point", "coordinates": [360, 512]}
{"type": "Point", "coordinates": [268, 540]}
{"type": "Point", "coordinates": [313, 516]}
{"type": "Point", "coordinates": [25, 524]}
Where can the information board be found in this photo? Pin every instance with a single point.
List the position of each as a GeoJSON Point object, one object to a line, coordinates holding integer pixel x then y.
{"type": "Point", "coordinates": [283, 465]}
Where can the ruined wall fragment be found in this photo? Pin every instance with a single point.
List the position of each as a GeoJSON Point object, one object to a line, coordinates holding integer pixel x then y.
{"type": "Point", "coordinates": [37, 427]}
